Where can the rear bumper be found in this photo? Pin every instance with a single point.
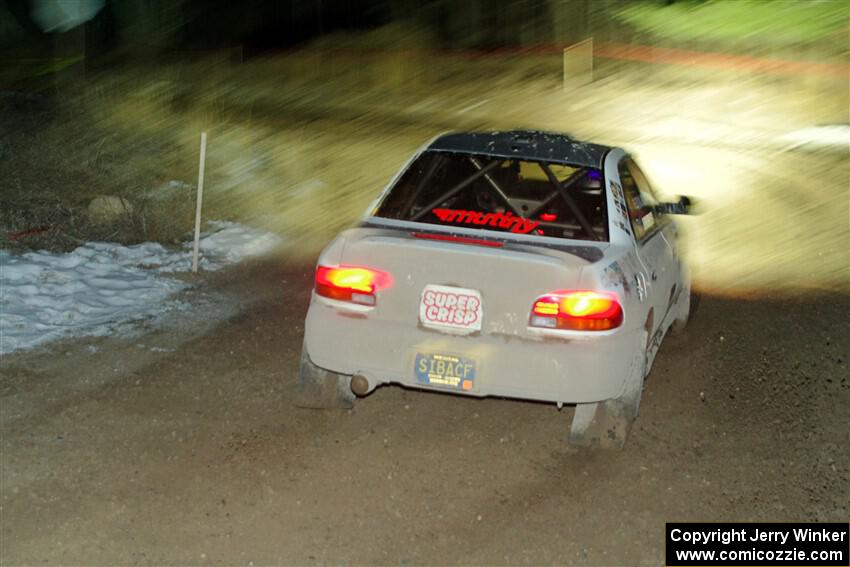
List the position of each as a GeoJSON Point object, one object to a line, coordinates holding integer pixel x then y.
{"type": "Point", "coordinates": [535, 368]}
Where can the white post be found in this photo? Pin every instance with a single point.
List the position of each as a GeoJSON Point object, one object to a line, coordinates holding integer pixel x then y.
{"type": "Point", "coordinates": [578, 64]}
{"type": "Point", "coordinates": [200, 200]}
{"type": "Point", "coordinates": [566, 70]}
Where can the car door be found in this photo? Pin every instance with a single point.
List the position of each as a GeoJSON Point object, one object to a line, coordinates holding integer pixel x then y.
{"type": "Point", "coordinates": [653, 233]}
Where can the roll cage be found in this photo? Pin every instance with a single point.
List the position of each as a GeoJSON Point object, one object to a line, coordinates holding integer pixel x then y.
{"type": "Point", "coordinates": [484, 167]}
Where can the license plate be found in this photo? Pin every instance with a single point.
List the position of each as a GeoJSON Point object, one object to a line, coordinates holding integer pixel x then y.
{"type": "Point", "coordinates": [445, 371]}
{"type": "Point", "coordinates": [451, 309]}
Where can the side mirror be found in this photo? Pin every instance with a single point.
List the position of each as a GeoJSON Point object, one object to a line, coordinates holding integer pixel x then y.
{"type": "Point", "coordinates": [681, 207]}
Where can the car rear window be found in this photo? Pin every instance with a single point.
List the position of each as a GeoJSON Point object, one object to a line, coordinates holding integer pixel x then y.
{"type": "Point", "coordinates": [505, 195]}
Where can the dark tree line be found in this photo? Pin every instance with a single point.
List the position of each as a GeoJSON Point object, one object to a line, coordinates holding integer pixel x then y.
{"type": "Point", "coordinates": [179, 24]}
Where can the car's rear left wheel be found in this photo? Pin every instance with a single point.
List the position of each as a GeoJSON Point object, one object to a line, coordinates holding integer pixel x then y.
{"type": "Point", "coordinates": [322, 389]}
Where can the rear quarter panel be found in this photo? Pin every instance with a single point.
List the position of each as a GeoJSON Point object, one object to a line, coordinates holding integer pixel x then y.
{"type": "Point", "coordinates": [618, 271]}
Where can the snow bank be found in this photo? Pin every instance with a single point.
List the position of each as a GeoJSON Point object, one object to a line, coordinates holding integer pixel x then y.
{"type": "Point", "coordinates": [100, 286]}
{"type": "Point", "coordinates": [827, 136]}
{"type": "Point", "coordinates": [231, 242]}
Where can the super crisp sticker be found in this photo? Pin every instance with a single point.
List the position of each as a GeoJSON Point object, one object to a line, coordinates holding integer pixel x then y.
{"type": "Point", "coordinates": [451, 309]}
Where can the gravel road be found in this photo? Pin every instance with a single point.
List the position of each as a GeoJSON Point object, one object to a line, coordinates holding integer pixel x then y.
{"type": "Point", "coordinates": [181, 446]}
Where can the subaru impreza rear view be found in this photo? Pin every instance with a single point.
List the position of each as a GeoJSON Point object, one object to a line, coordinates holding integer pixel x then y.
{"type": "Point", "coordinates": [483, 269]}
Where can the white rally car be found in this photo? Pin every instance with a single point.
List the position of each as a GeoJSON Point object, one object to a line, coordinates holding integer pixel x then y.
{"type": "Point", "coordinates": [521, 264]}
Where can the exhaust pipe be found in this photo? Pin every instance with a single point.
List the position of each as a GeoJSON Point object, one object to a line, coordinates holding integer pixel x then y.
{"type": "Point", "coordinates": [360, 385]}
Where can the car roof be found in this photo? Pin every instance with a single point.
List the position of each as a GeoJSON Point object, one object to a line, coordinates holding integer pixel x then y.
{"type": "Point", "coordinates": [534, 145]}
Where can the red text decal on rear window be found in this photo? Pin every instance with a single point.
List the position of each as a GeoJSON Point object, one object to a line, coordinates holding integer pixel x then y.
{"type": "Point", "coordinates": [517, 224]}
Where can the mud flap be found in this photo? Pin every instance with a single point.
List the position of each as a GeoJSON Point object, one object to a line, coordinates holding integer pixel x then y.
{"type": "Point", "coordinates": [602, 424]}
{"type": "Point", "coordinates": [607, 424]}
{"type": "Point", "coordinates": [322, 389]}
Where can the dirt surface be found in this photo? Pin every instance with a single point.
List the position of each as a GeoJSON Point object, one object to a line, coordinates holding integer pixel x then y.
{"type": "Point", "coordinates": [124, 451]}
{"type": "Point", "coordinates": [179, 445]}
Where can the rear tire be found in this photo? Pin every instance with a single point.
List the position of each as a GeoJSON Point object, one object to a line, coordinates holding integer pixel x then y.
{"type": "Point", "coordinates": [607, 424]}
{"type": "Point", "coordinates": [322, 389]}
{"type": "Point", "coordinates": [686, 308]}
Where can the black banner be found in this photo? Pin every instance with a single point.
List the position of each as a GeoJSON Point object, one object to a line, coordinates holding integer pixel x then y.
{"type": "Point", "coordinates": [762, 544]}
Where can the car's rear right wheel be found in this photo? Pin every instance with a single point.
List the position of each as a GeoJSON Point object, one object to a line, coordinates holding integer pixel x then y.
{"type": "Point", "coordinates": [686, 307]}
{"type": "Point", "coordinates": [607, 424]}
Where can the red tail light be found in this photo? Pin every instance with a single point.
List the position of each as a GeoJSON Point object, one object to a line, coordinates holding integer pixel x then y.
{"type": "Point", "coordinates": [350, 283]}
{"type": "Point", "coordinates": [577, 311]}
